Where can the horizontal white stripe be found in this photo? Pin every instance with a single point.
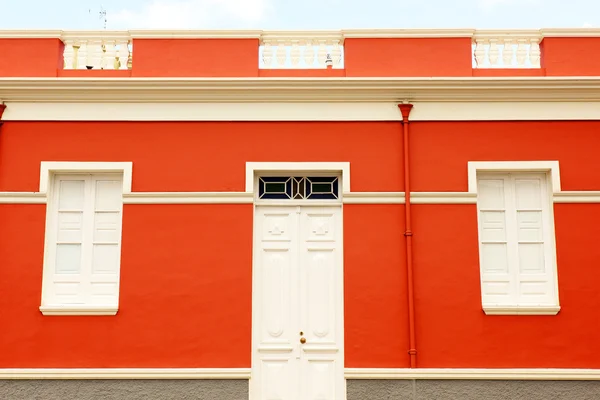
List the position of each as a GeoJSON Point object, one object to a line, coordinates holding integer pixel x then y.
{"type": "Point", "coordinates": [350, 373]}
{"type": "Point", "coordinates": [577, 197]}
{"type": "Point", "coordinates": [248, 197]}
{"type": "Point", "coordinates": [504, 111]}
{"type": "Point", "coordinates": [316, 111]}
{"type": "Point", "coordinates": [443, 198]}
{"type": "Point", "coordinates": [201, 112]}
{"type": "Point", "coordinates": [125, 373]}
{"type": "Point", "coordinates": [373, 198]}
{"type": "Point", "coordinates": [188, 198]}
{"type": "Point", "coordinates": [22, 198]}
{"type": "Point", "coordinates": [473, 373]}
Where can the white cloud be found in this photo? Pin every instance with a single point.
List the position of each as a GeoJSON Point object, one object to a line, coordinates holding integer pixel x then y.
{"type": "Point", "coordinates": [588, 25]}
{"type": "Point", "coordinates": [189, 14]}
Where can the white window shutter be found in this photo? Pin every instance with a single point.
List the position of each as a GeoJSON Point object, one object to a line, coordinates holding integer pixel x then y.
{"type": "Point", "coordinates": [106, 239]}
{"type": "Point", "coordinates": [535, 262]}
{"type": "Point", "coordinates": [66, 253]}
{"type": "Point", "coordinates": [83, 241]}
{"type": "Point", "coordinates": [497, 282]}
{"type": "Point", "coordinates": [516, 243]}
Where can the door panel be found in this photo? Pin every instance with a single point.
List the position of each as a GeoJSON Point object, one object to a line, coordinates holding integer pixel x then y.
{"type": "Point", "coordinates": [298, 277]}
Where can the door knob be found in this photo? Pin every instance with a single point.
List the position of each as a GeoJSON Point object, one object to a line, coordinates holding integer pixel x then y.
{"type": "Point", "coordinates": [302, 340]}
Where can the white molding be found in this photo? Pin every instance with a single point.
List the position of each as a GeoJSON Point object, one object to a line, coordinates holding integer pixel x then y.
{"type": "Point", "coordinates": [504, 111]}
{"type": "Point", "coordinates": [542, 89]}
{"type": "Point", "coordinates": [51, 167]}
{"type": "Point", "coordinates": [194, 34]}
{"type": "Point", "coordinates": [507, 166]}
{"type": "Point", "coordinates": [577, 197]}
{"type": "Point", "coordinates": [30, 34]}
{"type": "Point", "coordinates": [253, 167]}
{"type": "Point", "coordinates": [569, 32]}
{"type": "Point", "coordinates": [347, 33]}
{"type": "Point", "coordinates": [125, 373]}
{"type": "Point", "coordinates": [520, 310]}
{"type": "Point", "coordinates": [94, 35]}
{"type": "Point", "coordinates": [350, 373]}
{"type": "Point", "coordinates": [407, 33]}
{"type": "Point", "coordinates": [373, 198]}
{"type": "Point", "coordinates": [28, 111]}
{"type": "Point", "coordinates": [302, 35]}
{"type": "Point", "coordinates": [22, 198]}
{"type": "Point", "coordinates": [443, 198]}
{"type": "Point", "coordinates": [188, 198]}
{"type": "Point", "coordinates": [78, 310]}
{"type": "Point", "coordinates": [474, 373]}
{"type": "Point", "coordinates": [293, 111]}
{"type": "Point", "coordinates": [514, 34]}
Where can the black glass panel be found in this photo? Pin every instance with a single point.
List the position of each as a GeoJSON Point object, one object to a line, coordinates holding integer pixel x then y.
{"type": "Point", "coordinates": [298, 188]}
{"type": "Point", "coordinates": [321, 188]}
{"type": "Point", "coordinates": [275, 187]}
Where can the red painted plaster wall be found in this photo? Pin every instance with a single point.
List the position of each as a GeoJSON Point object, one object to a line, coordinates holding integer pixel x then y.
{"type": "Point", "coordinates": [376, 319]}
{"type": "Point", "coordinates": [186, 269]}
{"type": "Point", "coordinates": [201, 156]}
{"type": "Point", "coordinates": [571, 56]}
{"type": "Point", "coordinates": [30, 57]}
{"type": "Point", "coordinates": [453, 331]}
{"type": "Point", "coordinates": [408, 57]}
{"type": "Point", "coordinates": [440, 151]}
{"type": "Point", "coordinates": [181, 305]}
{"type": "Point", "coordinates": [195, 57]}
{"type": "Point", "coordinates": [162, 255]}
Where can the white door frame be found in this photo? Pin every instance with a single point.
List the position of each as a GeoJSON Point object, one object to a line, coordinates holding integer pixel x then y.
{"type": "Point", "coordinates": [341, 169]}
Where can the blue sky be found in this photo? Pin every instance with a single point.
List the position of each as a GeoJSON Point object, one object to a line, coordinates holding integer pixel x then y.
{"type": "Point", "coordinates": [298, 14]}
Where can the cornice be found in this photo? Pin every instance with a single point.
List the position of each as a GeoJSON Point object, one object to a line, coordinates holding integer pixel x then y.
{"type": "Point", "coordinates": [30, 34]}
{"type": "Point", "coordinates": [406, 33]}
{"type": "Point", "coordinates": [568, 32]}
{"type": "Point", "coordinates": [262, 34]}
{"type": "Point", "coordinates": [195, 34]}
{"type": "Point", "coordinates": [148, 90]}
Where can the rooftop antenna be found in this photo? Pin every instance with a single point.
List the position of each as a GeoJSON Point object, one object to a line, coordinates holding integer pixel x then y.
{"type": "Point", "coordinates": [102, 15]}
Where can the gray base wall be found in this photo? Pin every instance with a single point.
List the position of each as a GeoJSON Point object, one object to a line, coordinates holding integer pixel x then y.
{"type": "Point", "coordinates": [238, 390]}
{"type": "Point", "coordinates": [124, 389]}
{"type": "Point", "coordinates": [471, 390]}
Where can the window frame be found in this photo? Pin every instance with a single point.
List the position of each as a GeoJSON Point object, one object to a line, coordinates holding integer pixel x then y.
{"type": "Point", "coordinates": [551, 171]}
{"type": "Point", "coordinates": [49, 172]}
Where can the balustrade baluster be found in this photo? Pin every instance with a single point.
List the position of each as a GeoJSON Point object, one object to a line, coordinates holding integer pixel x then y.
{"type": "Point", "coordinates": [110, 52]}
{"type": "Point", "coordinates": [480, 56]}
{"type": "Point", "coordinates": [123, 54]}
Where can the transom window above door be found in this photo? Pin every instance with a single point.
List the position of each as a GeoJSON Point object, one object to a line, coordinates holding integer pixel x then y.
{"type": "Point", "coordinates": [298, 188]}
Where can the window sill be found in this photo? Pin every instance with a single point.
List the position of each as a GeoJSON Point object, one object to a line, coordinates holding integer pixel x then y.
{"type": "Point", "coordinates": [79, 310]}
{"type": "Point", "coordinates": [520, 310]}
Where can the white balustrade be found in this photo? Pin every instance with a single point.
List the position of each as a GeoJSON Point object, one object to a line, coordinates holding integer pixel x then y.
{"type": "Point", "coordinates": [113, 52]}
{"type": "Point", "coordinates": [506, 51]}
{"type": "Point", "coordinates": [300, 52]}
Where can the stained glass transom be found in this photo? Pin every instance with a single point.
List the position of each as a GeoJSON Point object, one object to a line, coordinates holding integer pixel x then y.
{"type": "Point", "coordinates": [298, 188]}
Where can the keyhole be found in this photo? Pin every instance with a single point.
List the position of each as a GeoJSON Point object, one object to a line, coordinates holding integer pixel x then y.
{"type": "Point", "coordinates": [301, 333]}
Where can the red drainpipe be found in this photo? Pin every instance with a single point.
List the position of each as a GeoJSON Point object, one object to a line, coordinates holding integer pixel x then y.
{"type": "Point", "coordinates": [405, 110]}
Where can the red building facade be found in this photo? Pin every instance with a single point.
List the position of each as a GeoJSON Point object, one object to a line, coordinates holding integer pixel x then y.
{"type": "Point", "coordinates": [411, 214]}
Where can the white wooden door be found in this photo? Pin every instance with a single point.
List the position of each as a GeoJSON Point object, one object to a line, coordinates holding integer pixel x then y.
{"type": "Point", "coordinates": [298, 304]}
